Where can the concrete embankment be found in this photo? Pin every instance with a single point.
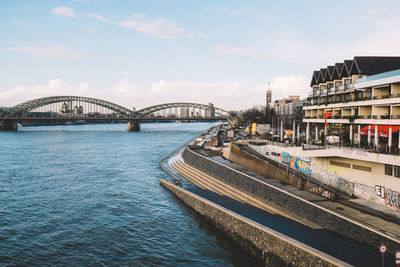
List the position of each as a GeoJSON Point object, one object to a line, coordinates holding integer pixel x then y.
{"type": "Point", "coordinates": [270, 247]}
{"type": "Point", "coordinates": [329, 219]}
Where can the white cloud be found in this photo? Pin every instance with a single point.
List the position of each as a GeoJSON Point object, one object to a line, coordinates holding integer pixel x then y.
{"type": "Point", "coordinates": [160, 28]}
{"type": "Point", "coordinates": [64, 12]}
{"type": "Point", "coordinates": [97, 16]}
{"type": "Point", "coordinates": [52, 88]}
{"type": "Point", "coordinates": [228, 95]}
{"type": "Point", "coordinates": [52, 52]}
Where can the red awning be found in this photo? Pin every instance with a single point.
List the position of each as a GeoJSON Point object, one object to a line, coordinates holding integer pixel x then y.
{"type": "Point", "coordinates": [383, 130]}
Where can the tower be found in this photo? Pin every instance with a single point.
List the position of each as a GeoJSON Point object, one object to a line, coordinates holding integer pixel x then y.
{"type": "Point", "coordinates": [268, 97]}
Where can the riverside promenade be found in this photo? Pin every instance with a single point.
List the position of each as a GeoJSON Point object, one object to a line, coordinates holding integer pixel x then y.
{"type": "Point", "coordinates": [307, 231]}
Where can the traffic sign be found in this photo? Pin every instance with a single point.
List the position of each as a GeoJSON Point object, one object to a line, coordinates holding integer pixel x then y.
{"type": "Point", "coordinates": [382, 248]}
{"type": "Point", "coordinates": [397, 256]}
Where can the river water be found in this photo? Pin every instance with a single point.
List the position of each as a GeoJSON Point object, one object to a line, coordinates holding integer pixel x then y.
{"type": "Point", "coordinates": [90, 195]}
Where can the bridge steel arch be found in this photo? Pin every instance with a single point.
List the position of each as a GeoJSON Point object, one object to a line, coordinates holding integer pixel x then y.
{"type": "Point", "coordinates": [151, 109]}
{"type": "Point", "coordinates": [27, 106]}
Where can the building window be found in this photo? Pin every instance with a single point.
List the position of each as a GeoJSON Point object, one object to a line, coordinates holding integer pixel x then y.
{"type": "Point", "coordinates": [362, 168]}
{"type": "Point", "coordinates": [397, 171]}
{"type": "Point", "coordinates": [340, 164]}
{"type": "Point", "coordinates": [388, 169]}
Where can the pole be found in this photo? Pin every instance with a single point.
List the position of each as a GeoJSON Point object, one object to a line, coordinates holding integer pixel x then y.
{"type": "Point", "coordinates": [316, 133]}
{"type": "Point", "coordinates": [398, 143]}
{"type": "Point", "coordinates": [281, 130]}
{"type": "Point", "coordinates": [390, 139]}
{"type": "Point", "coordinates": [351, 134]}
{"type": "Point", "coordinates": [369, 135]}
{"type": "Point", "coordinates": [294, 132]}
{"type": "Point", "coordinates": [359, 136]}
{"type": "Point", "coordinates": [308, 133]}
{"type": "Point", "coordinates": [298, 133]}
{"type": "Point", "coordinates": [376, 137]}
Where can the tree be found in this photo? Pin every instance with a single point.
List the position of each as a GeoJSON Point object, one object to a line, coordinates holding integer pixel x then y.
{"type": "Point", "coordinates": [258, 114]}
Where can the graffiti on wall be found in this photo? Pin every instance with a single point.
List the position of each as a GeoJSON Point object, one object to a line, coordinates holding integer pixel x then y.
{"type": "Point", "coordinates": [286, 158]}
{"type": "Point", "coordinates": [392, 198]}
{"type": "Point", "coordinates": [337, 170]}
{"type": "Point", "coordinates": [303, 166]}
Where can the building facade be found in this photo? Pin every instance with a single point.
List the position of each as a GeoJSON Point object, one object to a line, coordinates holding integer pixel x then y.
{"type": "Point", "coordinates": [355, 106]}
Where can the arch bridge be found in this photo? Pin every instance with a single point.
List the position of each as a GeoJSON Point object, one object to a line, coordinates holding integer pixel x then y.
{"type": "Point", "coordinates": [79, 108]}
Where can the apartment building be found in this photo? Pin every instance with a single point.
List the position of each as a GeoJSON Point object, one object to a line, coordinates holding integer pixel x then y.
{"type": "Point", "coordinates": [352, 125]}
{"type": "Point", "coordinates": [359, 96]}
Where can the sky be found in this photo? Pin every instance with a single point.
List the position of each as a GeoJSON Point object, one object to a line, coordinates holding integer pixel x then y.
{"type": "Point", "coordinates": [141, 53]}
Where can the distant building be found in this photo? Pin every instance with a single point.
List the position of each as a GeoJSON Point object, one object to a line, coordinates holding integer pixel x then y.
{"type": "Point", "coordinates": [210, 110]}
{"type": "Point", "coordinates": [78, 110]}
{"type": "Point", "coordinates": [289, 109]}
{"type": "Point", "coordinates": [184, 113]}
{"type": "Point", "coordinates": [268, 97]}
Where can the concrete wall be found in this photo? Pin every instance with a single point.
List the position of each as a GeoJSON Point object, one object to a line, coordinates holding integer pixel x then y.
{"type": "Point", "coordinates": [288, 201]}
{"type": "Point", "coordinates": [270, 247]}
{"type": "Point", "coordinates": [368, 185]}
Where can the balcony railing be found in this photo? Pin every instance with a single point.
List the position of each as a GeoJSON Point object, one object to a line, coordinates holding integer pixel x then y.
{"type": "Point", "coordinates": [352, 117]}
{"type": "Point", "coordinates": [380, 97]}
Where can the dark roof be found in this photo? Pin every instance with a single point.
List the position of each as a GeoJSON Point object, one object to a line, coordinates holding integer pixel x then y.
{"type": "Point", "coordinates": [356, 66]}
{"type": "Point", "coordinates": [330, 71]}
{"type": "Point", "coordinates": [346, 68]}
{"type": "Point", "coordinates": [337, 71]}
{"type": "Point", "coordinates": [321, 76]}
{"type": "Point", "coordinates": [314, 78]}
{"type": "Point", "coordinates": [374, 65]}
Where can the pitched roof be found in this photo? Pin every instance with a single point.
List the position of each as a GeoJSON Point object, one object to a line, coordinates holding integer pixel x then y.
{"type": "Point", "coordinates": [346, 68]}
{"type": "Point", "coordinates": [314, 78]}
{"type": "Point", "coordinates": [357, 65]}
{"type": "Point", "coordinates": [374, 65]}
{"type": "Point", "coordinates": [321, 76]}
{"type": "Point", "coordinates": [337, 71]}
{"type": "Point", "coordinates": [330, 71]}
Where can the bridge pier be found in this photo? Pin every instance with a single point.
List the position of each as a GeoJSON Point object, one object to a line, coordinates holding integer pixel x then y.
{"type": "Point", "coordinates": [11, 126]}
{"type": "Point", "coordinates": [134, 126]}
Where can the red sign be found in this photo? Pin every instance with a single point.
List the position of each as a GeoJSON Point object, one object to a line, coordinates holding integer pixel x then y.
{"type": "Point", "coordinates": [327, 115]}
{"type": "Point", "coordinates": [382, 248]}
{"type": "Point", "coordinates": [397, 256]}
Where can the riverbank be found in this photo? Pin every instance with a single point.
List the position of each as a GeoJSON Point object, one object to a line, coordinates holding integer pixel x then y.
{"type": "Point", "coordinates": [270, 247]}
{"type": "Point", "coordinates": [346, 249]}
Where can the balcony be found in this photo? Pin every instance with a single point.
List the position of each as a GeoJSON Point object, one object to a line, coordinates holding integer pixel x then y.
{"type": "Point", "coordinates": [381, 97]}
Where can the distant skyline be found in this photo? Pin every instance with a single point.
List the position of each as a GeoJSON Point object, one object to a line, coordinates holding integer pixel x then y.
{"type": "Point", "coordinates": [144, 53]}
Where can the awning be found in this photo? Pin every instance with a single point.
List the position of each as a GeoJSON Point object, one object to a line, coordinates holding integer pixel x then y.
{"type": "Point", "coordinates": [383, 130]}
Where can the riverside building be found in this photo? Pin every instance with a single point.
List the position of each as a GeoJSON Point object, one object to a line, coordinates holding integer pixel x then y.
{"type": "Point", "coordinates": [352, 122]}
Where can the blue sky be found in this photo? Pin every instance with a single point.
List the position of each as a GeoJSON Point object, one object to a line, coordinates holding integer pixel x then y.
{"type": "Point", "coordinates": [139, 53]}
